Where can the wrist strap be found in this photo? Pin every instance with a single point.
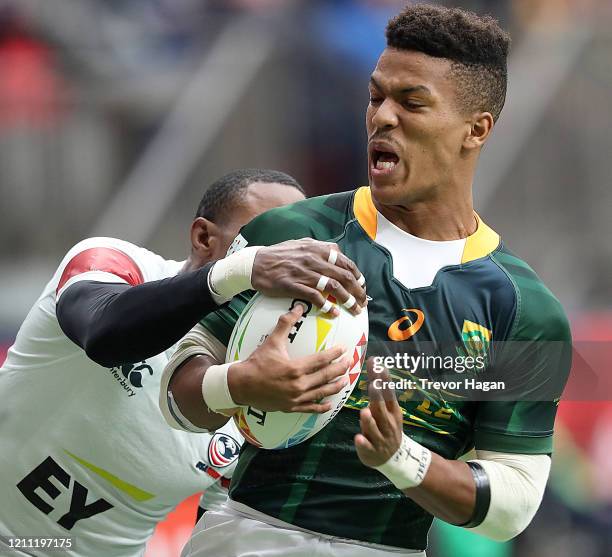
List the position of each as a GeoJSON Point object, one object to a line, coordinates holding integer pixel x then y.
{"type": "Point", "coordinates": [232, 275]}
{"type": "Point", "coordinates": [408, 466]}
{"type": "Point", "coordinates": [215, 390]}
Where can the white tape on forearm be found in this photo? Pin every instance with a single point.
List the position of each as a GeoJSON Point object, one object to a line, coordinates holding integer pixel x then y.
{"type": "Point", "coordinates": [215, 389]}
{"type": "Point", "coordinates": [232, 275]}
{"type": "Point", "coordinates": [408, 466]}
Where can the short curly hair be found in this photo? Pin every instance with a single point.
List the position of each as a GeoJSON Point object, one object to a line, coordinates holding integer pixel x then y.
{"type": "Point", "coordinates": [228, 191]}
{"type": "Point", "coordinates": [476, 45]}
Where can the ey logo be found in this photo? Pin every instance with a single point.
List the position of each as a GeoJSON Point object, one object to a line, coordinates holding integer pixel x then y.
{"type": "Point", "coordinates": [80, 504]}
{"type": "Point", "coordinates": [405, 327]}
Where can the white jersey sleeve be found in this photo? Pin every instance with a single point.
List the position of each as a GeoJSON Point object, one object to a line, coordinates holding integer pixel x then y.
{"type": "Point", "coordinates": [111, 260]}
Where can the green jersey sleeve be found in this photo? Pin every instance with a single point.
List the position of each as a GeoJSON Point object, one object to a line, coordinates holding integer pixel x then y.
{"type": "Point", "coordinates": [322, 218]}
{"type": "Point", "coordinates": [536, 356]}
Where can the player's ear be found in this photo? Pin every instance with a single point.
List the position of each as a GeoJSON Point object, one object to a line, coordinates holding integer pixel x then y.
{"type": "Point", "coordinates": [479, 131]}
{"type": "Point", "coordinates": [203, 238]}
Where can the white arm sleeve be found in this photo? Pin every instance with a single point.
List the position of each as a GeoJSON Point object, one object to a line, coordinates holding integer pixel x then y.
{"type": "Point", "coordinates": [517, 483]}
{"type": "Point", "coordinates": [199, 341]}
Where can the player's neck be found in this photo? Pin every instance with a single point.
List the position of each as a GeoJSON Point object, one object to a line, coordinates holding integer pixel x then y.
{"type": "Point", "coordinates": [437, 220]}
{"type": "Point", "coordinates": [191, 265]}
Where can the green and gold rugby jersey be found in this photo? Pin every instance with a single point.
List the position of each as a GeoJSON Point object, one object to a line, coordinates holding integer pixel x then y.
{"type": "Point", "coordinates": [492, 296]}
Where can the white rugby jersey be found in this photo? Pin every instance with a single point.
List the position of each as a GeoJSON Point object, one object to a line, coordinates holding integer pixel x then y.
{"type": "Point", "coordinates": [84, 450]}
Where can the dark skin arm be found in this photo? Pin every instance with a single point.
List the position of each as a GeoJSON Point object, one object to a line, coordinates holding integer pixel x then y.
{"type": "Point", "coordinates": [448, 490]}
{"type": "Point", "coordinates": [186, 385]}
{"type": "Point", "coordinates": [292, 269]}
{"type": "Point", "coordinates": [267, 379]}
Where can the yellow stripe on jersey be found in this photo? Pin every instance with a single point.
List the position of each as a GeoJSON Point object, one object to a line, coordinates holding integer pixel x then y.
{"type": "Point", "coordinates": [418, 422]}
{"type": "Point", "coordinates": [426, 425]}
{"type": "Point", "coordinates": [134, 492]}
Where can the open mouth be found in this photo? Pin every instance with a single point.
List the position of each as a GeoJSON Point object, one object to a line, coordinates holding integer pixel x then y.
{"type": "Point", "coordinates": [383, 158]}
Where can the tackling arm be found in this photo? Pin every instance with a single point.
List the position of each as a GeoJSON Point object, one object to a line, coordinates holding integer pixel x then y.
{"type": "Point", "coordinates": [119, 321]}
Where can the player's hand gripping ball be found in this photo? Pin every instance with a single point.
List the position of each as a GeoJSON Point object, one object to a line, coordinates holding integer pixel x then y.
{"type": "Point", "coordinates": [312, 333]}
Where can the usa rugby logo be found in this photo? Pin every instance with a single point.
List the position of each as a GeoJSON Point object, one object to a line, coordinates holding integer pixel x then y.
{"type": "Point", "coordinates": [222, 450]}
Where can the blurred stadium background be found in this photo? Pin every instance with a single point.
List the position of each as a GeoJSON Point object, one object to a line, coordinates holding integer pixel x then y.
{"type": "Point", "coordinates": [116, 114]}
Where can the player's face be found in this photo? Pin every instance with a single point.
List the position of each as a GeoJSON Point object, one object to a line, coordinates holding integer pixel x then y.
{"type": "Point", "coordinates": [415, 131]}
{"type": "Point", "coordinates": [259, 197]}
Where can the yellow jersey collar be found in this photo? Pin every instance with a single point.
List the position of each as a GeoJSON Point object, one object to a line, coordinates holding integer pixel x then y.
{"type": "Point", "coordinates": [477, 245]}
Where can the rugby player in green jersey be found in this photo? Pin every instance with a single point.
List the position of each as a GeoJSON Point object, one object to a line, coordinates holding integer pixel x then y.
{"type": "Point", "coordinates": [371, 481]}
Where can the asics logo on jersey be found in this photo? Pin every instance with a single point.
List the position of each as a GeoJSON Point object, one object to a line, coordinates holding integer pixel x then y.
{"type": "Point", "coordinates": [222, 450]}
{"type": "Point", "coordinates": [405, 327]}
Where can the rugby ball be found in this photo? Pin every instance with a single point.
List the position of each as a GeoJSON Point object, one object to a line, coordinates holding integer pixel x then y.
{"type": "Point", "coordinates": [314, 332]}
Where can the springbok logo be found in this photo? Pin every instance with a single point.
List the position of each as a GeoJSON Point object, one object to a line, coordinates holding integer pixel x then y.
{"type": "Point", "coordinates": [476, 338]}
{"type": "Point", "coordinates": [398, 331]}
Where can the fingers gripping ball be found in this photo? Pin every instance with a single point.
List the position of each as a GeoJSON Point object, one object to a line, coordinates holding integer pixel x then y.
{"type": "Point", "coordinates": [314, 332]}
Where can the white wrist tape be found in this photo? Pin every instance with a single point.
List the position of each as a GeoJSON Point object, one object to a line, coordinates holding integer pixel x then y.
{"type": "Point", "coordinates": [408, 466]}
{"type": "Point", "coordinates": [215, 390]}
{"type": "Point", "coordinates": [232, 275]}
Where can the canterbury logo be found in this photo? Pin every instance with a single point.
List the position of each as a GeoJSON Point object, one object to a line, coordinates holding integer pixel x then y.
{"type": "Point", "coordinates": [397, 332]}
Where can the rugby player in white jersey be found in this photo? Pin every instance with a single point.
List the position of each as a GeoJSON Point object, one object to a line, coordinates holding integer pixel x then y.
{"type": "Point", "coordinates": [85, 453]}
